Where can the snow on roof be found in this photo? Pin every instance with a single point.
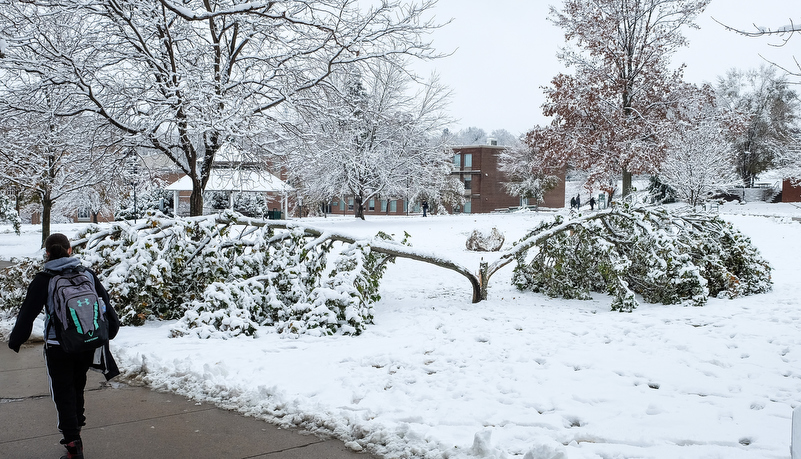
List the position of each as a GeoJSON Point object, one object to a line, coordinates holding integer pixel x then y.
{"type": "Point", "coordinates": [235, 180]}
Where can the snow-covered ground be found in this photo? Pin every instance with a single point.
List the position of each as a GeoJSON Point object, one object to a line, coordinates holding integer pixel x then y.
{"type": "Point", "coordinates": [518, 375]}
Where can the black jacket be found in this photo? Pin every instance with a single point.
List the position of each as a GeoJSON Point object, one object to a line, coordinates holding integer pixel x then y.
{"type": "Point", "coordinates": [35, 301]}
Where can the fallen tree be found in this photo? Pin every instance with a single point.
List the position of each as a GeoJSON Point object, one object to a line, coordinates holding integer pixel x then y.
{"type": "Point", "coordinates": [666, 257]}
{"type": "Point", "coordinates": [226, 274]}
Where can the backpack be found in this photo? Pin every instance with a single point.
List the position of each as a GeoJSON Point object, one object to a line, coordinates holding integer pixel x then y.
{"type": "Point", "coordinates": [76, 311]}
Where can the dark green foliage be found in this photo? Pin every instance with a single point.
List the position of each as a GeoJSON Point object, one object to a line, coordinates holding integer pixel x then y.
{"type": "Point", "coordinates": [663, 257]}
{"type": "Point", "coordinates": [153, 200]}
{"type": "Point", "coordinates": [14, 282]}
{"type": "Point", "coordinates": [659, 192]}
{"type": "Point", "coordinates": [223, 278]}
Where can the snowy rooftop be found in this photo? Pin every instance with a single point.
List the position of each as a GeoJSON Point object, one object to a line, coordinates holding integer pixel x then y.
{"type": "Point", "coordinates": [236, 180]}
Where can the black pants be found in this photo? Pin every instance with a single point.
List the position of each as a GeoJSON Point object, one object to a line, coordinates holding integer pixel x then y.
{"type": "Point", "coordinates": [67, 374]}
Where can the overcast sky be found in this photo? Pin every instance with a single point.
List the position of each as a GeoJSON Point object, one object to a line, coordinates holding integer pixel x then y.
{"type": "Point", "coordinates": [505, 50]}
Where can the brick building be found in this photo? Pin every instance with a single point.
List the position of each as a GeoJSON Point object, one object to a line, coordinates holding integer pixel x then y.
{"type": "Point", "coordinates": [790, 192]}
{"type": "Point", "coordinates": [477, 168]}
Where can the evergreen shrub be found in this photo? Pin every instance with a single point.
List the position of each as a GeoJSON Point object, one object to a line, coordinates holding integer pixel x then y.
{"type": "Point", "coordinates": [668, 257]}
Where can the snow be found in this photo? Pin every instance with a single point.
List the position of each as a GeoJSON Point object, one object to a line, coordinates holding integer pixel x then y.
{"type": "Point", "coordinates": [517, 376]}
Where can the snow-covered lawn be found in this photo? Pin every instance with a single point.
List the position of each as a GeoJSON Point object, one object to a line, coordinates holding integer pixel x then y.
{"type": "Point", "coordinates": [438, 376]}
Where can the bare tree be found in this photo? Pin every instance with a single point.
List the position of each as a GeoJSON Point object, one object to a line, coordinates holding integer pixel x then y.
{"type": "Point", "coordinates": [785, 33]}
{"type": "Point", "coordinates": [528, 174]}
{"type": "Point", "coordinates": [51, 157]}
{"type": "Point", "coordinates": [377, 138]}
{"type": "Point", "coordinates": [183, 78]}
{"type": "Point", "coordinates": [700, 159]}
{"type": "Point", "coordinates": [771, 111]}
{"type": "Point", "coordinates": [610, 117]}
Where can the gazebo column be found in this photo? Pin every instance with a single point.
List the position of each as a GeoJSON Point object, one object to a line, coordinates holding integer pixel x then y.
{"type": "Point", "coordinates": [176, 196]}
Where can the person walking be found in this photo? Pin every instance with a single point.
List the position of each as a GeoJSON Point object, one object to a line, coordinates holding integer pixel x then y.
{"type": "Point", "coordinates": [592, 202]}
{"type": "Point", "coordinates": [425, 208]}
{"type": "Point", "coordinates": [578, 201]}
{"type": "Point", "coordinates": [66, 370]}
{"type": "Point", "coordinates": [572, 203]}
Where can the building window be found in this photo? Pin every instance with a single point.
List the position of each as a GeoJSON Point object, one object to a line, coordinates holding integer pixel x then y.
{"type": "Point", "coordinates": [393, 206]}
{"type": "Point", "coordinates": [468, 160]}
{"type": "Point", "coordinates": [84, 215]}
{"type": "Point", "coordinates": [350, 203]}
{"type": "Point", "coordinates": [383, 205]}
{"type": "Point", "coordinates": [467, 207]}
{"type": "Point", "coordinates": [342, 205]}
{"type": "Point", "coordinates": [457, 161]}
{"type": "Point", "coordinates": [468, 182]}
{"type": "Point", "coordinates": [371, 204]}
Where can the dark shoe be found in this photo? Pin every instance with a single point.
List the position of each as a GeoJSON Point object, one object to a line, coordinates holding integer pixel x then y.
{"type": "Point", "coordinates": [74, 450]}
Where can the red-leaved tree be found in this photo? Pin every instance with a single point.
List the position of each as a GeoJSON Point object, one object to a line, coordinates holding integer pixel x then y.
{"type": "Point", "coordinates": [612, 115]}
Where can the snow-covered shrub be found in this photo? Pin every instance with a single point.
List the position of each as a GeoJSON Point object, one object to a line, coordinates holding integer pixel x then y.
{"type": "Point", "coordinates": [147, 200]}
{"type": "Point", "coordinates": [218, 200]}
{"type": "Point", "coordinates": [659, 192]}
{"type": "Point", "coordinates": [9, 214]}
{"type": "Point", "coordinates": [665, 257]}
{"type": "Point", "coordinates": [344, 300]}
{"type": "Point", "coordinates": [225, 310]}
{"type": "Point", "coordinates": [14, 282]}
{"type": "Point", "coordinates": [251, 204]}
{"type": "Point", "coordinates": [153, 268]}
{"type": "Point", "coordinates": [224, 275]}
{"type": "Point", "coordinates": [733, 265]}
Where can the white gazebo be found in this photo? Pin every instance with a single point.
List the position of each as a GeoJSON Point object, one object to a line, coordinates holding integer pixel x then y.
{"type": "Point", "coordinates": [236, 180]}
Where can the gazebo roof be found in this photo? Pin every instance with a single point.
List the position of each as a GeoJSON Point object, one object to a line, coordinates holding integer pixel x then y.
{"type": "Point", "coordinates": [235, 180]}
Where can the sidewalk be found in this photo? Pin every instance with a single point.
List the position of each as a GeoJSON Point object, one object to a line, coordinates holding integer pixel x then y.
{"type": "Point", "coordinates": [134, 422]}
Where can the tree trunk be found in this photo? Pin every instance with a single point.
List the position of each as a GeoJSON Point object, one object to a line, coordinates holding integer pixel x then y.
{"type": "Point", "coordinates": [626, 182]}
{"type": "Point", "coordinates": [196, 200]}
{"type": "Point", "coordinates": [47, 207]}
{"type": "Point", "coordinates": [483, 278]}
{"type": "Point", "coordinates": [359, 207]}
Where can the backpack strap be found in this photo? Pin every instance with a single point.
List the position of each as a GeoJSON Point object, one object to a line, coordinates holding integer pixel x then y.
{"type": "Point", "coordinates": [50, 274]}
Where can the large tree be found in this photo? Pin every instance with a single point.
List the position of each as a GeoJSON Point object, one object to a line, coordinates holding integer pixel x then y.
{"type": "Point", "coordinates": [184, 77]}
{"type": "Point", "coordinates": [528, 176]}
{"type": "Point", "coordinates": [49, 157]}
{"type": "Point", "coordinates": [610, 116]}
{"type": "Point", "coordinates": [771, 109]}
{"type": "Point", "coordinates": [787, 159]}
{"type": "Point", "coordinates": [784, 33]}
{"type": "Point", "coordinates": [700, 159]}
{"type": "Point", "coordinates": [379, 137]}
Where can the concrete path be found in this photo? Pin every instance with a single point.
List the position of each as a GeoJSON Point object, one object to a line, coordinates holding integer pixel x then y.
{"type": "Point", "coordinates": [135, 422]}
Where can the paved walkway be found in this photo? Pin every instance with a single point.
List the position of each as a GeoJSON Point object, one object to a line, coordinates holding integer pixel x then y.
{"type": "Point", "coordinates": [135, 422]}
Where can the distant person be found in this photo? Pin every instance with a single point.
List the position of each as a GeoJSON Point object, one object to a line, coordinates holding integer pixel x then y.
{"type": "Point", "coordinates": [578, 201]}
{"type": "Point", "coordinates": [592, 202]}
{"type": "Point", "coordinates": [572, 203]}
{"type": "Point", "coordinates": [425, 208]}
{"type": "Point", "coordinates": [66, 370]}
